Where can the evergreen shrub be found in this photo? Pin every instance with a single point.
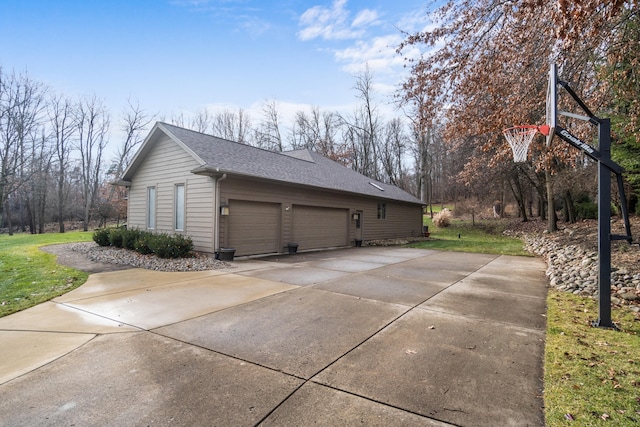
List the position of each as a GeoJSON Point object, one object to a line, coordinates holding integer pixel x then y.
{"type": "Point", "coordinates": [101, 237]}
{"type": "Point", "coordinates": [165, 246]}
{"type": "Point", "coordinates": [586, 208]}
{"type": "Point", "coordinates": [116, 236]}
{"type": "Point", "coordinates": [162, 245]}
{"type": "Point", "coordinates": [142, 244]}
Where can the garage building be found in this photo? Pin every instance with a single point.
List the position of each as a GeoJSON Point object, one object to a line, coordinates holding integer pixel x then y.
{"type": "Point", "coordinates": [225, 194]}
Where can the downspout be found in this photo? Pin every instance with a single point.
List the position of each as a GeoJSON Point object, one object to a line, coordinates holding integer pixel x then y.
{"type": "Point", "coordinates": [216, 215]}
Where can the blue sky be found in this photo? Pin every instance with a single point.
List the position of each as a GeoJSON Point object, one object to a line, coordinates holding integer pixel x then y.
{"type": "Point", "coordinates": [177, 56]}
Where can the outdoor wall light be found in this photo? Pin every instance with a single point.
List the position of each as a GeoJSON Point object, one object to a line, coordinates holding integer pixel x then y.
{"type": "Point", "coordinates": [356, 216]}
{"type": "Point", "coordinates": [224, 210]}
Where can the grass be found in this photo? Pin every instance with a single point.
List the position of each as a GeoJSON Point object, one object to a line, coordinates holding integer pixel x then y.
{"type": "Point", "coordinates": [461, 236]}
{"type": "Point", "coordinates": [592, 375]}
{"type": "Point", "coordinates": [29, 276]}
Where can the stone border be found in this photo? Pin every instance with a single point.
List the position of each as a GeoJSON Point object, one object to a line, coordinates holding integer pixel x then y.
{"type": "Point", "coordinates": [572, 269]}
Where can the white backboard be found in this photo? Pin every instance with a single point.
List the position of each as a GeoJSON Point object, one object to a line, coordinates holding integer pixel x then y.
{"type": "Point", "coordinates": [552, 102]}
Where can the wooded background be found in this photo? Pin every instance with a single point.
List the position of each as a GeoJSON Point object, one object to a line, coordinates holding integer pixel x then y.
{"type": "Point", "coordinates": [483, 68]}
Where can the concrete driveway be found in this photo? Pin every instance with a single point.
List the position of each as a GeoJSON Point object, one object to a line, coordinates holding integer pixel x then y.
{"type": "Point", "coordinates": [362, 336]}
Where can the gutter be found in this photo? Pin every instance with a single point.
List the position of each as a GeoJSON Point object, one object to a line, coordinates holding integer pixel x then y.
{"type": "Point", "coordinates": [216, 214]}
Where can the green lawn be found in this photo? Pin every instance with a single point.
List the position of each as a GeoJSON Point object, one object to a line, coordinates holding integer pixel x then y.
{"type": "Point", "coordinates": [592, 375]}
{"type": "Point", "coordinates": [29, 276]}
{"type": "Point", "coordinates": [461, 236]}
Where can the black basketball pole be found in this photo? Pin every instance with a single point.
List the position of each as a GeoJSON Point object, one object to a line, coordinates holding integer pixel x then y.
{"type": "Point", "coordinates": [605, 168]}
{"type": "Point", "coordinates": [604, 226]}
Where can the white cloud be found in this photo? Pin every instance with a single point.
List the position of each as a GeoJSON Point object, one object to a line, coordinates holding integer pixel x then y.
{"type": "Point", "coordinates": [367, 46]}
{"type": "Point", "coordinates": [333, 23]}
{"type": "Point", "coordinates": [255, 26]}
{"type": "Point", "coordinates": [365, 17]}
{"type": "Point", "coordinates": [379, 53]}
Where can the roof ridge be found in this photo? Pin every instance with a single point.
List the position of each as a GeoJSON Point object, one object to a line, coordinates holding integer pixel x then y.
{"type": "Point", "coordinates": [282, 153]}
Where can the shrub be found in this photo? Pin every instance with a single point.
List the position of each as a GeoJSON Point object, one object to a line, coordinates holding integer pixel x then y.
{"type": "Point", "coordinates": [182, 246]}
{"type": "Point", "coordinates": [129, 238]}
{"type": "Point", "coordinates": [101, 237]}
{"type": "Point", "coordinates": [586, 208]}
{"type": "Point", "coordinates": [142, 243]}
{"type": "Point", "coordinates": [443, 218]}
{"type": "Point", "coordinates": [116, 236]}
{"type": "Point", "coordinates": [165, 246]}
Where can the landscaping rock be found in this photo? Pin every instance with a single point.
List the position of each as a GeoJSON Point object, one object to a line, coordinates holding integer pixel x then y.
{"type": "Point", "coordinates": [629, 296]}
{"type": "Point", "coordinates": [111, 255]}
{"type": "Point", "coordinates": [574, 267]}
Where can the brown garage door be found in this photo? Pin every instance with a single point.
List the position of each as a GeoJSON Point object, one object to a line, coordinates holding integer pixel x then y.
{"type": "Point", "coordinates": [315, 227]}
{"type": "Point", "coordinates": [254, 227]}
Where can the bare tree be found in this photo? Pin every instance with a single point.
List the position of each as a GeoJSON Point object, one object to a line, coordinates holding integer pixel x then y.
{"type": "Point", "coordinates": [135, 122]}
{"type": "Point", "coordinates": [232, 126]}
{"type": "Point", "coordinates": [62, 121]}
{"type": "Point", "coordinates": [201, 122]}
{"type": "Point", "coordinates": [93, 127]}
{"type": "Point", "coordinates": [304, 132]}
{"type": "Point", "coordinates": [362, 133]}
{"type": "Point", "coordinates": [21, 107]}
{"type": "Point", "coordinates": [34, 192]}
{"type": "Point", "coordinates": [392, 153]}
{"type": "Point", "coordinates": [179, 119]}
{"type": "Point", "coordinates": [267, 134]}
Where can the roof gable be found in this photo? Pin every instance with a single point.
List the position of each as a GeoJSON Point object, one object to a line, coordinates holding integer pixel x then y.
{"type": "Point", "coordinates": [301, 167]}
{"type": "Point", "coordinates": [157, 132]}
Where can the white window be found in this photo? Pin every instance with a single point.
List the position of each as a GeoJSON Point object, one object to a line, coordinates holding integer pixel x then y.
{"type": "Point", "coordinates": [382, 211]}
{"type": "Point", "coordinates": [179, 207]}
{"type": "Point", "coordinates": [151, 208]}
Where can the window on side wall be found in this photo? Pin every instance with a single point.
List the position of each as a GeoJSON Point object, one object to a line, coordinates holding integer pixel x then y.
{"type": "Point", "coordinates": [151, 208]}
{"type": "Point", "coordinates": [382, 211]}
{"type": "Point", "coordinates": [179, 207]}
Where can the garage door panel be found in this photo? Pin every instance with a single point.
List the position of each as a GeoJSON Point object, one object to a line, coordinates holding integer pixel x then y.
{"type": "Point", "coordinates": [254, 227]}
{"type": "Point", "coordinates": [317, 227]}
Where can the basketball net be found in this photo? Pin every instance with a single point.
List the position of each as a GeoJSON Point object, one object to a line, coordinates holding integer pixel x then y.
{"type": "Point", "coordinates": [520, 137]}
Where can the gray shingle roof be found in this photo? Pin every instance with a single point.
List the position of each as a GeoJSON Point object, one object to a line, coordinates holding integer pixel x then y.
{"type": "Point", "coordinates": [302, 167]}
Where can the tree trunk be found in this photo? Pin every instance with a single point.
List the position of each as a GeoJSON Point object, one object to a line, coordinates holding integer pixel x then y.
{"type": "Point", "coordinates": [516, 190]}
{"type": "Point", "coordinates": [552, 224]}
{"type": "Point", "coordinates": [8, 214]}
{"type": "Point", "coordinates": [61, 201]}
{"type": "Point", "coordinates": [569, 209]}
{"type": "Point", "coordinates": [41, 216]}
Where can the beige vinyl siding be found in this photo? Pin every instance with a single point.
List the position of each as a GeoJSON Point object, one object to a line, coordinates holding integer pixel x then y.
{"type": "Point", "coordinates": [166, 165]}
{"type": "Point", "coordinates": [199, 215]}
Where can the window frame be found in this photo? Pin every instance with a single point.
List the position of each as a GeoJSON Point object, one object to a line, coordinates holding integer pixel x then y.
{"type": "Point", "coordinates": [152, 200]}
{"type": "Point", "coordinates": [179, 212]}
{"type": "Point", "coordinates": [381, 211]}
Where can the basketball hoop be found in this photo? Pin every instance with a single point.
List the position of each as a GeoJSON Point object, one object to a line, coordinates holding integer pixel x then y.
{"type": "Point", "coordinates": [520, 137]}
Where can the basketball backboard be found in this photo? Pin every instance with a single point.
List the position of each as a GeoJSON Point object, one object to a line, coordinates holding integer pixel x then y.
{"type": "Point", "coordinates": [552, 102]}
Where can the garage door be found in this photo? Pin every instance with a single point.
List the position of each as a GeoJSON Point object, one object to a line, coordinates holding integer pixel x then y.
{"type": "Point", "coordinates": [254, 227]}
{"type": "Point", "coordinates": [316, 227]}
